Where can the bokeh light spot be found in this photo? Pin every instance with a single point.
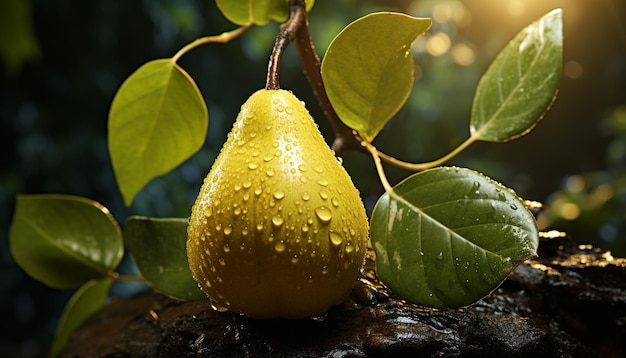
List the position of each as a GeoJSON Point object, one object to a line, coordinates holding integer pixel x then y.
{"type": "Point", "coordinates": [463, 54]}
{"type": "Point", "coordinates": [573, 69]}
{"type": "Point", "coordinates": [516, 8]}
{"type": "Point", "coordinates": [438, 44]}
{"type": "Point", "coordinates": [569, 211]}
{"type": "Point", "coordinates": [575, 183]}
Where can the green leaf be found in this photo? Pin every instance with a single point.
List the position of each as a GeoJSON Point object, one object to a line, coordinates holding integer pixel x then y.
{"type": "Point", "coordinates": [87, 300]}
{"type": "Point", "coordinates": [64, 241]}
{"type": "Point", "coordinates": [258, 12]}
{"type": "Point", "coordinates": [158, 247]}
{"type": "Point", "coordinates": [368, 69]}
{"type": "Point", "coordinates": [521, 84]}
{"type": "Point", "coordinates": [158, 119]}
{"type": "Point", "coordinates": [18, 41]}
{"type": "Point", "coordinates": [446, 237]}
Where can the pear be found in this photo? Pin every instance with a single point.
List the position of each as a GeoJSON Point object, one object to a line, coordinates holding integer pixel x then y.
{"type": "Point", "coordinates": [278, 228]}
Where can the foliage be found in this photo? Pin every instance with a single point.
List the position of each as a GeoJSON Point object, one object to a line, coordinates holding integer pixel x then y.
{"type": "Point", "coordinates": [444, 237]}
{"type": "Point", "coordinates": [162, 260]}
{"type": "Point", "coordinates": [86, 301]}
{"type": "Point", "coordinates": [368, 84]}
{"type": "Point", "coordinates": [18, 43]}
{"type": "Point", "coordinates": [160, 113]}
{"type": "Point", "coordinates": [64, 241]}
{"type": "Point", "coordinates": [258, 12]}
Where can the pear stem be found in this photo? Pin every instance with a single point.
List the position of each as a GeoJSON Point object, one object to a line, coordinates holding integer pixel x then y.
{"type": "Point", "coordinates": [297, 16]}
{"type": "Point", "coordinates": [345, 138]}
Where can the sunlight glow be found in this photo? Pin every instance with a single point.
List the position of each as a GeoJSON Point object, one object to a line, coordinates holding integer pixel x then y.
{"type": "Point", "coordinates": [600, 195]}
{"type": "Point", "coordinates": [516, 7]}
{"type": "Point", "coordinates": [442, 12]}
{"type": "Point", "coordinates": [569, 211]}
{"type": "Point", "coordinates": [552, 234]}
{"type": "Point", "coordinates": [438, 44]}
{"type": "Point", "coordinates": [463, 54]}
{"type": "Point", "coordinates": [451, 11]}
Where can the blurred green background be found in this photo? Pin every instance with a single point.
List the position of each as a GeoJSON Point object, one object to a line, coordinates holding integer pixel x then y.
{"type": "Point", "coordinates": [62, 61]}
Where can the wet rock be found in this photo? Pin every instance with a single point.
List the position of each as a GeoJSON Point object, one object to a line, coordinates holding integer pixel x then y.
{"type": "Point", "coordinates": [570, 302]}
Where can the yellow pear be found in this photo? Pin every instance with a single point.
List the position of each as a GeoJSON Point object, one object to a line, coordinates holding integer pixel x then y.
{"type": "Point", "coordinates": [278, 229]}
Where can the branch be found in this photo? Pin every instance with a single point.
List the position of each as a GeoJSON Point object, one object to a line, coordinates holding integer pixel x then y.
{"type": "Point", "coordinates": [297, 29]}
{"type": "Point", "coordinates": [345, 138]}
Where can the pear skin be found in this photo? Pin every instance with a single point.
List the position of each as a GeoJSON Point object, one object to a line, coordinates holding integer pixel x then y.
{"type": "Point", "coordinates": [278, 228]}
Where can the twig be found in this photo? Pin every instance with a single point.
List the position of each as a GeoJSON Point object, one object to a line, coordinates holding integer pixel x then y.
{"type": "Point", "coordinates": [224, 37]}
{"type": "Point", "coordinates": [379, 166]}
{"type": "Point", "coordinates": [345, 139]}
{"type": "Point", "coordinates": [297, 29]}
{"type": "Point", "coordinates": [416, 167]}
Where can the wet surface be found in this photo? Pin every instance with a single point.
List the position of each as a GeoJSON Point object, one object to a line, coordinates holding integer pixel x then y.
{"type": "Point", "coordinates": [569, 302]}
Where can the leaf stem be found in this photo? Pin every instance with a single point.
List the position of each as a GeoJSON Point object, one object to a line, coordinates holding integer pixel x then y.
{"type": "Point", "coordinates": [423, 166]}
{"type": "Point", "coordinates": [224, 37]}
{"type": "Point", "coordinates": [345, 138]}
{"type": "Point", "coordinates": [379, 165]}
{"type": "Point", "coordinates": [297, 16]}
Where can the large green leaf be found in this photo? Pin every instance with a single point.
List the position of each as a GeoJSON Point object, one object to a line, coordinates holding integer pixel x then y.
{"type": "Point", "coordinates": [158, 247]}
{"type": "Point", "coordinates": [446, 237]}
{"type": "Point", "coordinates": [521, 84]}
{"type": "Point", "coordinates": [87, 300]}
{"type": "Point", "coordinates": [158, 119]}
{"type": "Point", "coordinates": [64, 241]}
{"type": "Point", "coordinates": [258, 12]}
{"type": "Point", "coordinates": [368, 69]}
